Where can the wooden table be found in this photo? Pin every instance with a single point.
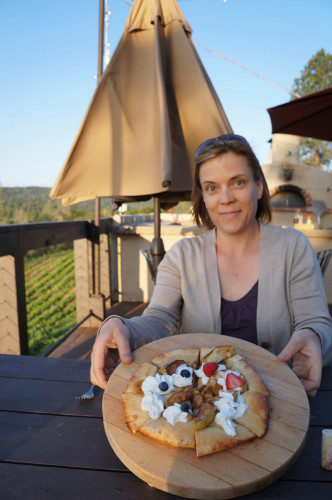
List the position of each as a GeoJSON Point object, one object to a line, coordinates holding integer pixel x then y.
{"type": "Point", "coordinates": [54, 446]}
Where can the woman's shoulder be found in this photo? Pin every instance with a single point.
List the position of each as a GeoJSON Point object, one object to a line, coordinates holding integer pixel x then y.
{"type": "Point", "coordinates": [283, 232]}
{"type": "Point", "coordinates": [200, 240]}
{"type": "Point", "coordinates": [284, 240]}
{"type": "Point", "coordinates": [192, 246]}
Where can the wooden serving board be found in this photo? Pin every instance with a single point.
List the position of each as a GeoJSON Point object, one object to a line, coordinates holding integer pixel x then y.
{"type": "Point", "coordinates": [227, 474]}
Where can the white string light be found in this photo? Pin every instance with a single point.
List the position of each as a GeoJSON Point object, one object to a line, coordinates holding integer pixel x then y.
{"type": "Point", "coordinates": [218, 54]}
{"type": "Point", "coordinates": [107, 52]}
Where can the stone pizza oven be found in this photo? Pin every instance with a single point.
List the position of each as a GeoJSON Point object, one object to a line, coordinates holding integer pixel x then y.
{"type": "Point", "coordinates": [295, 186]}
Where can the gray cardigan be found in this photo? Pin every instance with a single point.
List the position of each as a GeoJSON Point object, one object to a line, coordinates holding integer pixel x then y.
{"type": "Point", "coordinates": [186, 298]}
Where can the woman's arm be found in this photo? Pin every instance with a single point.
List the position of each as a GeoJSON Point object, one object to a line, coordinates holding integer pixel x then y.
{"type": "Point", "coordinates": [162, 316]}
{"type": "Point", "coordinates": [111, 344]}
{"type": "Point", "coordinates": [308, 297]}
{"type": "Point", "coordinates": [305, 351]}
{"type": "Point", "coordinates": [118, 336]}
{"type": "Point", "coordinates": [312, 336]}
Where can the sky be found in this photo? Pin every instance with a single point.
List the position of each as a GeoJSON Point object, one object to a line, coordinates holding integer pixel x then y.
{"type": "Point", "coordinates": [49, 58]}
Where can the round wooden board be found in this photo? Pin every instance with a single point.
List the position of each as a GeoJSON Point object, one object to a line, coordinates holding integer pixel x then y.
{"type": "Point", "coordinates": [228, 474]}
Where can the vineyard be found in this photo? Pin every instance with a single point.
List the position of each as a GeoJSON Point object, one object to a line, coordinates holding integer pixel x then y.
{"type": "Point", "coordinates": [50, 296]}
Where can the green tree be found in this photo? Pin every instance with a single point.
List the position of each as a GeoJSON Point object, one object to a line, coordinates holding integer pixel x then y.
{"type": "Point", "coordinates": [2, 207]}
{"type": "Point", "coordinates": [315, 76]}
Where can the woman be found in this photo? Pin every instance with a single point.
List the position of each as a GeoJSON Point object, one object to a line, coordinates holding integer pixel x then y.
{"type": "Point", "coordinates": [240, 277]}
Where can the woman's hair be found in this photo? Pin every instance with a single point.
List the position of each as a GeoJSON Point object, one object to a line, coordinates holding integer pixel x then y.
{"type": "Point", "coordinates": [216, 147]}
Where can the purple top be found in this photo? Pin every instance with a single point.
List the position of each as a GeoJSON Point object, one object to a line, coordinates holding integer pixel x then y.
{"type": "Point", "coordinates": [238, 317]}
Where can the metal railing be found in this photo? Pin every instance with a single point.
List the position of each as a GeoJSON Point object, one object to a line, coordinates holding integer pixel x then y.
{"type": "Point", "coordinates": [15, 241]}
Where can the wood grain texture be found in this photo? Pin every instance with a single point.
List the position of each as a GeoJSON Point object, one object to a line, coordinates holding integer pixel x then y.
{"type": "Point", "coordinates": [238, 471]}
{"type": "Point", "coordinates": [48, 396]}
{"type": "Point", "coordinates": [31, 483]}
{"type": "Point", "coordinates": [40, 368]}
{"type": "Point", "coordinates": [56, 440]}
{"type": "Point", "coordinates": [9, 328]}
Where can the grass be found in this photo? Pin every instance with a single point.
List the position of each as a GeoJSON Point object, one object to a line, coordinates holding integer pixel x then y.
{"type": "Point", "coordinates": [50, 296]}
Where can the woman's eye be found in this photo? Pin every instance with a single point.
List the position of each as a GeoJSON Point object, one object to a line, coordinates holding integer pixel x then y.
{"type": "Point", "coordinates": [210, 189]}
{"type": "Point", "coordinates": [239, 182]}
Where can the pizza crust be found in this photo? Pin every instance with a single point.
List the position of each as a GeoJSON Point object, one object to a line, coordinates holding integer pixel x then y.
{"type": "Point", "coordinates": [256, 417]}
{"type": "Point", "coordinates": [217, 354]}
{"type": "Point", "coordinates": [213, 439]}
{"type": "Point", "coordinates": [134, 415]}
{"type": "Point", "coordinates": [181, 435]}
{"type": "Point", "coordinates": [144, 370]}
{"type": "Point", "coordinates": [189, 355]}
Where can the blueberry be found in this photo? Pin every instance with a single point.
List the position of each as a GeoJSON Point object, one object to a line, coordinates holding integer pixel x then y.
{"type": "Point", "coordinates": [185, 407]}
{"type": "Point", "coordinates": [185, 373]}
{"type": "Point", "coordinates": [163, 386]}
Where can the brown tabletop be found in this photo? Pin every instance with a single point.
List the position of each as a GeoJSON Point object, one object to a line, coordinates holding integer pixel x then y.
{"type": "Point", "coordinates": [54, 446]}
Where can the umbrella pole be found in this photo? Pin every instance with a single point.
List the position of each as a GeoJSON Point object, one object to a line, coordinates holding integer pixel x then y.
{"type": "Point", "coordinates": [101, 39]}
{"type": "Point", "coordinates": [157, 250]}
{"type": "Point", "coordinates": [96, 238]}
{"type": "Point", "coordinates": [96, 249]}
{"type": "Point", "coordinates": [156, 207]}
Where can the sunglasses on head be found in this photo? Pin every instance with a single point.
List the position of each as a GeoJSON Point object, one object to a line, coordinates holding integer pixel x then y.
{"type": "Point", "coordinates": [221, 138]}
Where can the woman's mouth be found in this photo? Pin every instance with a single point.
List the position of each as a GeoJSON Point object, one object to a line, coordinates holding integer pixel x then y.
{"type": "Point", "coordinates": [230, 214]}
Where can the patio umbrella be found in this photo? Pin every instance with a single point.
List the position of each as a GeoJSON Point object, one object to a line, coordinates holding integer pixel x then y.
{"type": "Point", "coordinates": [152, 107]}
{"type": "Point", "coordinates": [308, 116]}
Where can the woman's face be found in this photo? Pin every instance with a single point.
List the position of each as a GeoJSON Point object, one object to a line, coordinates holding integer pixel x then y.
{"type": "Point", "coordinates": [230, 193]}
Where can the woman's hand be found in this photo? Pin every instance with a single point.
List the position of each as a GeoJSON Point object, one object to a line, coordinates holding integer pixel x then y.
{"type": "Point", "coordinates": [111, 343]}
{"type": "Point", "coordinates": [305, 351]}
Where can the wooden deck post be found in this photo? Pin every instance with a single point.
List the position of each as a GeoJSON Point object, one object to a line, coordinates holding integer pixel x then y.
{"type": "Point", "coordinates": [12, 306]}
{"type": "Point", "coordinates": [86, 301]}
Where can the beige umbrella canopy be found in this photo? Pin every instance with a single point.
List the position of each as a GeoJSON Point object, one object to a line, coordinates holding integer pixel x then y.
{"type": "Point", "coordinates": [152, 107]}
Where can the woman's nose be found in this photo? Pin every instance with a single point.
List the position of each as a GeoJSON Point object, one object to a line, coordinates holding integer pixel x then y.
{"type": "Point", "coordinates": [226, 196]}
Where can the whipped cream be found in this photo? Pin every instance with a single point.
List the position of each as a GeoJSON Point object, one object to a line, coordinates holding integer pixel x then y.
{"type": "Point", "coordinates": [173, 414]}
{"type": "Point", "coordinates": [228, 410]}
{"type": "Point", "coordinates": [180, 381]}
{"type": "Point", "coordinates": [151, 384]}
{"type": "Point", "coordinates": [153, 403]}
{"type": "Point", "coordinates": [200, 373]}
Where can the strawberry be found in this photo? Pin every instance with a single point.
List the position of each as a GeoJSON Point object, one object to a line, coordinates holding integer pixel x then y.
{"type": "Point", "coordinates": [233, 381]}
{"type": "Point", "coordinates": [210, 368]}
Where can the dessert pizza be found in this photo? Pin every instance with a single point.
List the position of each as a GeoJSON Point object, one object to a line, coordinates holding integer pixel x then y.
{"type": "Point", "coordinates": [208, 399]}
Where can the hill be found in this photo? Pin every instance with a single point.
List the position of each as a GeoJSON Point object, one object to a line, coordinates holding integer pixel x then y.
{"type": "Point", "coordinates": [20, 205]}
{"type": "Point", "coordinates": [50, 296]}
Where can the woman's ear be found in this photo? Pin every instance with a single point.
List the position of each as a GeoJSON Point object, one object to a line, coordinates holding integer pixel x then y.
{"type": "Point", "coordinates": [260, 190]}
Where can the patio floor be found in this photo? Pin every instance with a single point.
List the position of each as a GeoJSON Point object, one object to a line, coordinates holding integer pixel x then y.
{"type": "Point", "coordinates": [79, 344]}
